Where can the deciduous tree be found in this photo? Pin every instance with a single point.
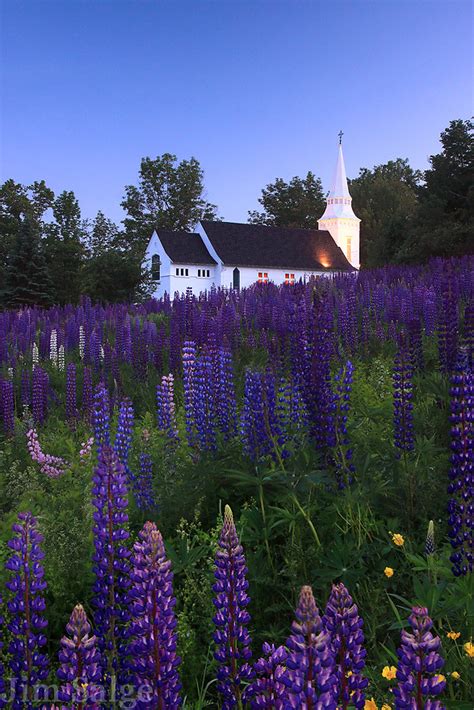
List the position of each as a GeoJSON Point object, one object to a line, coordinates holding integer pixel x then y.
{"type": "Point", "coordinates": [297, 203]}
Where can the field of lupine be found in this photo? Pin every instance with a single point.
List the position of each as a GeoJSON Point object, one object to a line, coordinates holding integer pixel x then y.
{"type": "Point", "coordinates": [255, 499]}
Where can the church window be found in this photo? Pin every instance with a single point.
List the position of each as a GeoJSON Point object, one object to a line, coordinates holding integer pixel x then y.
{"type": "Point", "coordinates": [262, 277]}
{"type": "Point", "coordinates": [208, 273]}
{"type": "Point", "coordinates": [289, 278]}
{"type": "Point", "coordinates": [186, 272]}
{"type": "Point", "coordinates": [177, 272]}
{"type": "Point", "coordinates": [199, 272]}
{"type": "Point", "coordinates": [156, 267]}
{"type": "Point", "coordinates": [349, 248]}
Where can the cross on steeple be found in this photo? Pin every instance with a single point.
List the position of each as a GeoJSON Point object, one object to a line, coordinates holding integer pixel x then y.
{"type": "Point", "coordinates": [340, 134]}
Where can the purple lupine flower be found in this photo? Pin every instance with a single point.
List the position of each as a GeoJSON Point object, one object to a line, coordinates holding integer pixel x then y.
{"type": "Point", "coordinates": [448, 324]}
{"type": "Point", "coordinates": [461, 474]}
{"type": "Point", "coordinates": [419, 665]}
{"type": "Point", "coordinates": [28, 665]}
{"type": "Point", "coordinates": [124, 436]}
{"type": "Point", "coordinates": [80, 668]}
{"type": "Point", "coordinates": [189, 374]}
{"type": "Point", "coordinates": [344, 624]}
{"type": "Point", "coordinates": [153, 660]}
{"type": "Point", "coordinates": [144, 496]}
{"type": "Point", "coordinates": [260, 429]}
{"type": "Point", "coordinates": [25, 388]}
{"type": "Point", "coordinates": [269, 689]}
{"type": "Point", "coordinates": [318, 389]}
{"type": "Point", "coordinates": [403, 400]}
{"type": "Point", "coordinates": [111, 557]}
{"type": "Point", "coordinates": [342, 452]}
{"type": "Point", "coordinates": [310, 663]}
{"type": "Point", "coordinates": [415, 341]}
{"type": "Point", "coordinates": [204, 403]}
{"type": "Point", "coordinates": [87, 394]}
{"type": "Point", "coordinates": [7, 405]}
{"type": "Point", "coordinates": [71, 397]}
{"type": "Point", "coordinates": [231, 599]}
{"type": "Point", "coordinates": [101, 417]}
{"type": "Point", "coordinates": [3, 689]}
{"type": "Point", "coordinates": [469, 333]}
{"type": "Point", "coordinates": [166, 414]}
{"type": "Point", "coordinates": [40, 394]}
{"type": "Point", "coordinates": [224, 388]}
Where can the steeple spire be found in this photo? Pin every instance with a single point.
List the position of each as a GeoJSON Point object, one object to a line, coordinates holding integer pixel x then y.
{"type": "Point", "coordinates": [339, 184]}
{"type": "Point", "coordinates": [339, 218]}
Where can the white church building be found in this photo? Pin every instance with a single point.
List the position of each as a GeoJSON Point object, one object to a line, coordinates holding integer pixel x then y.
{"type": "Point", "coordinates": [233, 255]}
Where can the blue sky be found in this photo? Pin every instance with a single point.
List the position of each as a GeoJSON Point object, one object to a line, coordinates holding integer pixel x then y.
{"type": "Point", "coordinates": [254, 90]}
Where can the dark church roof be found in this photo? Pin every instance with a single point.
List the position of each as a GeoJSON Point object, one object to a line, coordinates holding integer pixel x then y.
{"type": "Point", "coordinates": [185, 247]}
{"type": "Point", "coordinates": [276, 247]}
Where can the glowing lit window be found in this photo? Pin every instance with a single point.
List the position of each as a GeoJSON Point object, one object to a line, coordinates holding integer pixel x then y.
{"type": "Point", "coordinates": [349, 248]}
{"type": "Point", "coordinates": [262, 277]}
{"type": "Point", "coordinates": [289, 278]}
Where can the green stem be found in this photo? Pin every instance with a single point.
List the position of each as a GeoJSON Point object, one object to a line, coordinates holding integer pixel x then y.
{"type": "Point", "coordinates": [308, 520]}
{"type": "Point", "coordinates": [264, 518]}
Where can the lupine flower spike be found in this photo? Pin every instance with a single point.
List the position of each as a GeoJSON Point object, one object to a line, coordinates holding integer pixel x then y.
{"type": "Point", "coordinates": [111, 565]}
{"type": "Point", "coordinates": [28, 664]}
{"type": "Point", "coordinates": [153, 659]}
{"type": "Point", "coordinates": [269, 689]}
{"type": "Point", "coordinates": [231, 599]}
{"type": "Point", "coordinates": [461, 475]}
{"type": "Point", "coordinates": [344, 624]}
{"type": "Point", "coordinates": [80, 663]}
{"type": "Point", "coordinates": [311, 660]}
{"type": "Point", "coordinates": [430, 547]}
{"type": "Point", "coordinates": [3, 690]}
{"type": "Point", "coordinates": [419, 665]}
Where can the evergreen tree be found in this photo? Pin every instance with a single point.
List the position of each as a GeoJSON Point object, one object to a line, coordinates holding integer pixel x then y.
{"type": "Point", "coordinates": [65, 249]}
{"type": "Point", "coordinates": [28, 281]}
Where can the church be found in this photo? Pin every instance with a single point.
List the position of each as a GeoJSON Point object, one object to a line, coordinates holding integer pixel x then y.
{"type": "Point", "coordinates": [233, 255]}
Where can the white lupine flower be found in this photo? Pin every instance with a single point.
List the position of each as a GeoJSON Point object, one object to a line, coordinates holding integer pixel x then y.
{"type": "Point", "coordinates": [61, 358]}
{"type": "Point", "coordinates": [53, 347]}
{"type": "Point", "coordinates": [35, 354]}
{"type": "Point", "coordinates": [101, 353]}
{"type": "Point", "coordinates": [82, 341]}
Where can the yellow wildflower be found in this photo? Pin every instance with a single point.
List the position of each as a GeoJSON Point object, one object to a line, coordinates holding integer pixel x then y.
{"type": "Point", "coordinates": [455, 675]}
{"type": "Point", "coordinates": [453, 635]}
{"type": "Point", "coordinates": [371, 705]}
{"type": "Point", "coordinates": [469, 648]}
{"type": "Point", "coordinates": [388, 572]}
{"type": "Point", "coordinates": [440, 678]}
{"type": "Point", "coordinates": [398, 539]}
{"type": "Point", "coordinates": [389, 672]}
{"type": "Point", "coordinates": [386, 706]}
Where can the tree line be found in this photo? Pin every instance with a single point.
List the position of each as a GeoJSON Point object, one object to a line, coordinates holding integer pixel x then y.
{"type": "Point", "coordinates": [50, 254]}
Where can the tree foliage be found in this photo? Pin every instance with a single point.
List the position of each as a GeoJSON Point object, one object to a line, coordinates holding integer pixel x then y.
{"type": "Point", "coordinates": [169, 195]}
{"type": "Point", "coordinates": [297, 203]}
{"type": "Point", "coordinates": [385, 199]}
{"type": "Point", "coordinates": [27, 280]}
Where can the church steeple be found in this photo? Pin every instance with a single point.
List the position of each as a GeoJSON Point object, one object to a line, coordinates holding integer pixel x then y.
{"type": "Point", "coordinates": [339, 218]}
